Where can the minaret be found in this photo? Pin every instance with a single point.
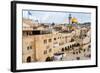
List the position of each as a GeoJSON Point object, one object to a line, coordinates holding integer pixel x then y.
{"type": "Point", "coordinates": [69, 18]}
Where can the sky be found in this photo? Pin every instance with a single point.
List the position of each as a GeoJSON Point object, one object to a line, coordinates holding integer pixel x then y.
{"type": "Point", "coordinates": [55, 17]}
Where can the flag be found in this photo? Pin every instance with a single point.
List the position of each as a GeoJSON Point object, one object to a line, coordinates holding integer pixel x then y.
{"type": "Point", "coordinates": [29, 13]}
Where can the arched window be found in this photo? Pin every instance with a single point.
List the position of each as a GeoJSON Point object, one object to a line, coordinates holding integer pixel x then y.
{"type": "Point", "coordinates": [70, 46]}
{"type": "Point", "coordinates": [65, 48]}
{"type": "Point", "coordinates": [28, 59]}
{"type": "Point", "coordinates": [62, 49]}
{"type": "Point", "coordinates": [48, 59]}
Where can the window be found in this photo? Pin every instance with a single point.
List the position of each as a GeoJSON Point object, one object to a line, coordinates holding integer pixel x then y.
{"type": "Point", "coordinates": [70, 46]}
{"type": "Point", "coordinates": [65, 48]}
{"type": "Point", "coordinates": [45, 41]}
{"type": "Point", "coordinates": [78, 58]}
{"type": "Point", "coordinates": [76, 52]}
{"type": "Point", "coordinates": [84, 50]}
{"type": "Point", "coordinates": [50, 50]}
{"type": "Point", "coordinates": [27, 33]}
{"type": "Point", "coordinates": [45, 52]}
{"type": "Point", "coordinates": [72, 40]}
{"type": "Point", "coordinates": [62, 49]}
{"type": "Point", "coordinates": [89, 46]}
{"type": "Point", "coordinates": [28, 48]}
{"type": "Point", "coordinates": [49, 40]}
{"type": "Point", "coordinates": [79, 51]}
{"type": "Point", "coordinates": [54, 38]}
{"type": "Point", "coordinates": [73, 52]}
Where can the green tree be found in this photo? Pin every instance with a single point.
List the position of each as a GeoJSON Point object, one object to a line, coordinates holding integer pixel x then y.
{"type": "Point", "coordinates": [69, 26]}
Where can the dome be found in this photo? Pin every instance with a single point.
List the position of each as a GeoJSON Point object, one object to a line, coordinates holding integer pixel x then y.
{"type": "Point", "coordinates": [74, 20]}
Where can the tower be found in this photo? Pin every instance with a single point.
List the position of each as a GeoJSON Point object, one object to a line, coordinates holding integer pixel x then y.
{"type": "Point", "coordinates": [70, 18]}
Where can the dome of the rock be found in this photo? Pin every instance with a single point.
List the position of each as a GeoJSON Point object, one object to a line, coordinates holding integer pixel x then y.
{"type": "Point", "coordinates": [74, 20]}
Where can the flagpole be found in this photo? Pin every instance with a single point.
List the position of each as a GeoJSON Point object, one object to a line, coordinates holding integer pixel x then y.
{"type": "Point", "coordinates": [29, 14]}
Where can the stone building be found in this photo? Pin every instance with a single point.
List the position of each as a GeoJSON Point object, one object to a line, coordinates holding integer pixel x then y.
{"type": "Point", "coordinates": [40, 44]}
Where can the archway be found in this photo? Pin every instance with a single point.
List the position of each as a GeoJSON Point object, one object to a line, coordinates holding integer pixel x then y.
{"type": "Point", "coordinates": [28, 59]}
{"type": "Point", "coordinates": [62, 49]}
{"type": "Point", "coordinates": [48, 59]}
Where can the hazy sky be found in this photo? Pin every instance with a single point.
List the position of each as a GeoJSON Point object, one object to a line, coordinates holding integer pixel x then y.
{"type": "Point", "coordinates": [56, 17]}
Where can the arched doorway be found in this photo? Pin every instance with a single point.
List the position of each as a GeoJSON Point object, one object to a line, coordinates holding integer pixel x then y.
{"type": "Point", "coordinates": [62, 49]}
{"type": "Point", "coordinates": [28, 59]}
{"type": "Point", "coordinates": [48, 59]}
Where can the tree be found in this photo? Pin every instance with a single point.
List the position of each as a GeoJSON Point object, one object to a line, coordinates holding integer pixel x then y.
{"type": "Point", "coordinates": [69, 26]}
{"type": "Point", "coordinates": [78, 24]}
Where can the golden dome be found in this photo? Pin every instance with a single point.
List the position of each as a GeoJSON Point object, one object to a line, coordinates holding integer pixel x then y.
{"type": "Point", "coordinates": [74, 20]}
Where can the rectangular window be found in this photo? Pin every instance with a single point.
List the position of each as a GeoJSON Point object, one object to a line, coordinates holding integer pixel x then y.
{"type": "Point", "coordinates": [45, 41]}
{"type": "Point", "coordinates": [49, 40]}
{"type": "Point", "coordinates": [28, 48]}
{"type": "Point", "coordinates": [50, 50]}
{"type": "Point", "coordinates": [54, 38]}
{"type": "Point", "coordinates": [45, 52]}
